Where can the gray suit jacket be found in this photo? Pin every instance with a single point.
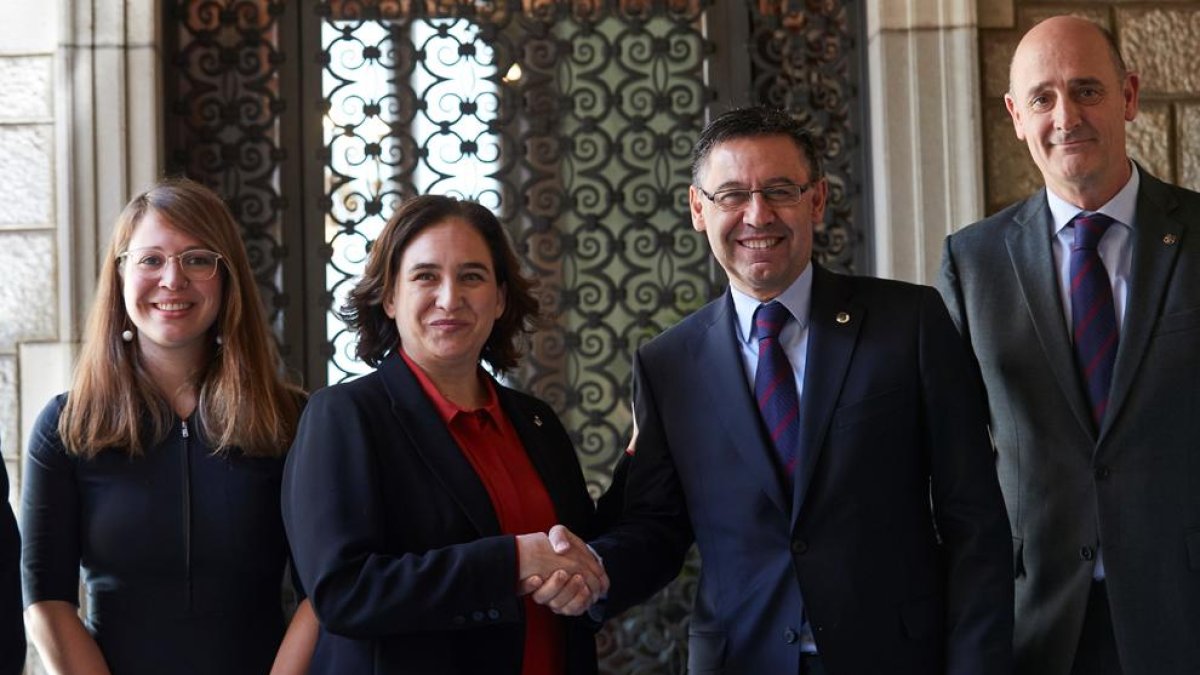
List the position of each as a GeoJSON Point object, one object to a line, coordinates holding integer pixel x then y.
{"type": "Point", "coordinates": [1133, 485]}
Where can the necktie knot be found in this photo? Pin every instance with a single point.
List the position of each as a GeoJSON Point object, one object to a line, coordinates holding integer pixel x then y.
{"type": "Point", "coordinates": [769, 320]}
{"type": "Point", "coordinates": [1089, 230]}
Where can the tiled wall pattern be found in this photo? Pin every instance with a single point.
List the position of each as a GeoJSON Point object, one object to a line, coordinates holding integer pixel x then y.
{"type": "Point", "coordinates": [1161, 41]}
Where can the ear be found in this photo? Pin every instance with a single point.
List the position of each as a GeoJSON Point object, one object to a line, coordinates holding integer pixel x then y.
{"type": "Point", "coordinates": [389, 304]}
{"type": "Point", "coordinates": [1014, 111]}
{"type": "Point", "coordinates": [696, 204]}
{"type": "Point", "coordinates": [1130, 92]}
{"type": "Point", "coordinates": [501, 299]}
{"type": "Point", "coordinates": [819, 200]}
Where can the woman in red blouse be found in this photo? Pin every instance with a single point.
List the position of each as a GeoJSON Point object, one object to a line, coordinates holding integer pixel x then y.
{"type": "Point", "coordinates": [417, 499]}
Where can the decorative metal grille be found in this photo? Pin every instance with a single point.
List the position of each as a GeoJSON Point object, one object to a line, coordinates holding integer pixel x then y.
{"type": "Point", "coordinates": [576, 127]}
{"type": "Point", "coordinates": [572, 119]}
{"type": "Point", "coordinates": [224, 118]}
{"type": "Point", "coordinates": [804, 59]}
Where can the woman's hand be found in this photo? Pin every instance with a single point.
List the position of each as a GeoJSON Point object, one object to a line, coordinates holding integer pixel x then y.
{"type": "Point", "coordinates": [560, 570]}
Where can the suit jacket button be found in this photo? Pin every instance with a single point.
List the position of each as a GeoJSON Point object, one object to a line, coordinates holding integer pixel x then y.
{"type": "Point", "coordinates": [493, 614]}
{"type": "Point", "coordinates": [477, 616]}
{"type": "Point", "coordinates": [1087, 553]}
{"type": "Point", "coordinates": [790, 636]}
{"type": "Point", "coordinates": [1102, 472]}
{"type": "Point", "coordinates": [799, 546]}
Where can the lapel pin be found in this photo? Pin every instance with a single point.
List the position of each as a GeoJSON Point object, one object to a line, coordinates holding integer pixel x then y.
{"type": "Point", "coordinates": [537, 420]}
{"type": "Point", "coordinates": [1170, 239]}
{"type": "Point", "coordinates": [842, 318]}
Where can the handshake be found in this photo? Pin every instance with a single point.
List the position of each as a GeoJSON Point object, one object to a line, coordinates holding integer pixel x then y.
{"type": "Point", "coordinates": [560, 571]}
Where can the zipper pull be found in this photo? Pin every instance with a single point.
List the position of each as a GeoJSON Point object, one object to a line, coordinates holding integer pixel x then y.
{"type": "Point", "coordinates": [185, 431]}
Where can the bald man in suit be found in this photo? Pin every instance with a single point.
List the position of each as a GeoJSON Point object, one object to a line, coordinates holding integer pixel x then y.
{"type": "Point", "coordinates": [1082, 306]}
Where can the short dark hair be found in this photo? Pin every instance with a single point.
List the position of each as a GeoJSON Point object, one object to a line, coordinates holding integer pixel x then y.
{"type": "Point", "coordinates": [752, 122]}
{"type": "Point", "coordinates": [377, 333]}
{"type": "Point", "coordinates": [1114, 52]}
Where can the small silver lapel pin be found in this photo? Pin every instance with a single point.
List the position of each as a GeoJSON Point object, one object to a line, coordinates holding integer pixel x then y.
{"type": "Point", "coordinates": [842, 318]}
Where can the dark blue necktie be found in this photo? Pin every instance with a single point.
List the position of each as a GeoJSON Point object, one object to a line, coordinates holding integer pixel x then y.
{"type": "Point", "coordinates": [1093, 316]}
{"type": "Point", "coordinates": [775, 384]}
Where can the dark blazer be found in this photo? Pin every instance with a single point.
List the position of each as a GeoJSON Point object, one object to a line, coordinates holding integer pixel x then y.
{"type": "Point", "coordinates": [12, 627]}
{"type": "Point", "coordinates": [1134, 486]}
{"type": "Point", "coordinates": [395, 538]}
{"type": "Point", "coordinates": [892, 423]}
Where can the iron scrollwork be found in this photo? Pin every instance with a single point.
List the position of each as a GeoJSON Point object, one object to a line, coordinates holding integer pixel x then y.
{"type": "Point", "coordinates": [804, 60]}
{"type": "Point", "coordinates": [226, 114]}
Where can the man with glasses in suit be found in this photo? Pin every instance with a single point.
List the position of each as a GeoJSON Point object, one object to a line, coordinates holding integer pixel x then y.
{"type": "Point", "coordinates": [823, 441]}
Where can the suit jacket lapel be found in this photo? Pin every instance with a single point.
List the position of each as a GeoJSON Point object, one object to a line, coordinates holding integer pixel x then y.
{"type": "Point", "coordinates": [432, 441]}
{"type": "Point", "coordinates": [1153, 262]}
{"type": "Point", "coordinates": [830, 348]}
{"type": "Point", "coordinates": [1032, 257]}
{"type": "Point", "coordinates": [717, 348]}
{"type": "Point", "coordinates": [541, 455]}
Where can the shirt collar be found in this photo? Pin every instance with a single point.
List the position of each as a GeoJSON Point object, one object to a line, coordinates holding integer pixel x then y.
{"type": "Point", "coordinates": [797, 298]}
{"type": "Point", "coordinates": [447, 410]}
{"type": "Point", "coordinates": [1120, 208]}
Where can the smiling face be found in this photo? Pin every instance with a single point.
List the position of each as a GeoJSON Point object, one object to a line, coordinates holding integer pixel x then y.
{"type": "Point", "coordinates": [762, 248]}
{"type": "Point", "coordinates": [446, 298]}
{"type": "Point", "coordinates": [1070, 103]}
{"type": "Point", "coordinates": [172, 313]}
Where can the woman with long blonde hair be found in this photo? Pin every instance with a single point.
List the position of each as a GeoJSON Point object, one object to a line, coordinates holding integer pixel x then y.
{"type": "Point", "coordinates": [158, 474]}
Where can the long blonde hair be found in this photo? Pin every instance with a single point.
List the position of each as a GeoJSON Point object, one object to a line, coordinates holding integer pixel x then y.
{"type": "Point", "coordinates": [244, 402]}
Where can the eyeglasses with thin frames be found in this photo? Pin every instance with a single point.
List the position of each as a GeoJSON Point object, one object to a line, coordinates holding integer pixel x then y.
{"type": "Point", "coordinates": [733, 199]}
{"type": "Point", "coordinates": [196, 264]}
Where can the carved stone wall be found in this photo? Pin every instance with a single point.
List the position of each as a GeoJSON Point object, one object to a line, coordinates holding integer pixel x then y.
{"type": "Point", "coordinates": [1160, 41]}
{"type": "Point", "coordinates": [28, 292]}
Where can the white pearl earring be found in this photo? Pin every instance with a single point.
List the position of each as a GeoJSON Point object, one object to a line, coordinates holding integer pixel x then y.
{"type": "Point", "coordinates": [127, 335]}
{"type": "Point", "coordinates": [220, 340]}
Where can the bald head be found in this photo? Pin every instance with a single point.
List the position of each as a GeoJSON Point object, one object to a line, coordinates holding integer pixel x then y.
{"type": "Point", "coordinates": [1059, 30]}
{"type": "Point", "coordinates": [1069, 103]}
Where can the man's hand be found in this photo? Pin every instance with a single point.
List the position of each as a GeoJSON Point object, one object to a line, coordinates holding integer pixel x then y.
{"type": "Point", "coordinates": [560, 570]}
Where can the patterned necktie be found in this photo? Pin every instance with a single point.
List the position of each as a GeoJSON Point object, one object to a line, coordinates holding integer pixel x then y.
{"type": "Point", "coordinates": [1093, 316]}
{"type": "Point", "coordinates": [775, 383]}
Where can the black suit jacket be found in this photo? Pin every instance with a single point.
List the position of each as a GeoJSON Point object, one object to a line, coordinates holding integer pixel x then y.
{"type": "Point", "coordinates": [1132, 486]}
{"type": "Point", "coordinates": [395, 538]}
{"type": "Point", "coordinates": [893, 529]}
{"type": "Point", "coordinates": [12, 628]}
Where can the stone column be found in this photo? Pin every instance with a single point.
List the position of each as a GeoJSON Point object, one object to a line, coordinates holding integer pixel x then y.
{"type": "Point", "coordinates": [28, 213]}
{"type": "Point", "coordinates": [924, 130]}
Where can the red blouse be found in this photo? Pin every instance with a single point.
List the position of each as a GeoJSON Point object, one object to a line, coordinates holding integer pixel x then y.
{"type": "Point", "coordinates": [490, 443]}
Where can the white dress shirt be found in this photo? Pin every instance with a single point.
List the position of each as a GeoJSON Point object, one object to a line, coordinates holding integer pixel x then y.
{"type": "Point", "coordinates": [794, 337]}
{"type": "Point", "coordinates": [1116, 251]}
{"type": "Point", "coordinates": [794, 340]}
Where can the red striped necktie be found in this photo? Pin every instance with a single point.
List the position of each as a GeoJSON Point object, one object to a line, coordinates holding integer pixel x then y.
{"type": "Point", "coordinates": [1093, 315]}
{"type": "Point", "coordinates": [775, 383]}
